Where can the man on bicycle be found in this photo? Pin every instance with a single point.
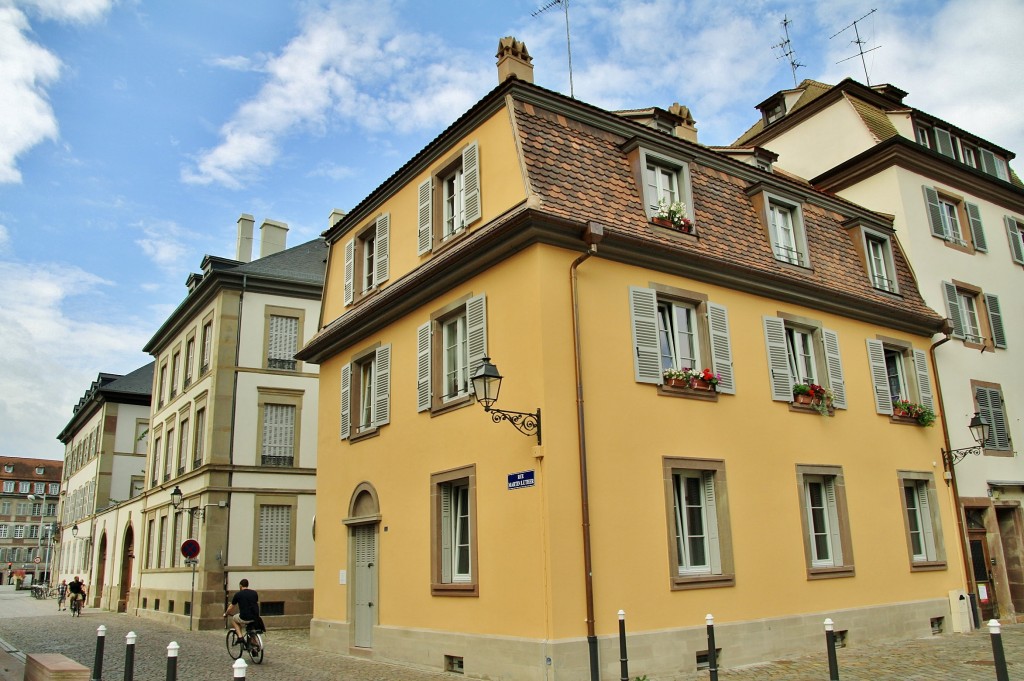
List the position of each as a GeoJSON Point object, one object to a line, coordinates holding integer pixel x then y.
{"type": "Point", "coordinates": [244, 608]}
{"type": "Point", "coordinates": [77, 591]}
{"type": "Point", "coordinates": [62, 594]}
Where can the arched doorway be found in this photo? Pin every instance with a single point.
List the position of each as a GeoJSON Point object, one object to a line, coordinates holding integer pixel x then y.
{"type": "Point", "coordinates": [99, 586]}
{"type": "Point", "coordinates": [127, 558]}
{"type": "Point", "coordinates": [363, 520]}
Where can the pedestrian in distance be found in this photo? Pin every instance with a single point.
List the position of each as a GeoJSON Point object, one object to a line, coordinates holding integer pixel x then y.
{"type": "Point", "coordinates": [62, 595]}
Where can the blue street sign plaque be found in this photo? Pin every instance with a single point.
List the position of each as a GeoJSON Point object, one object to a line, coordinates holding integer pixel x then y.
{"type": "Point", "coordinates": [521, 480]}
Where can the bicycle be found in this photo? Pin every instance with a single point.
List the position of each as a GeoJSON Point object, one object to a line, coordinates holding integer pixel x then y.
{"type": "Point", "coordinates": [76, 606]}
{"type": "Point", "coordinates": [252, 642]}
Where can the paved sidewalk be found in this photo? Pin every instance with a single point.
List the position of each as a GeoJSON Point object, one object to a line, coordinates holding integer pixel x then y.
{"type": "Point", "coordinates": [35, 626]}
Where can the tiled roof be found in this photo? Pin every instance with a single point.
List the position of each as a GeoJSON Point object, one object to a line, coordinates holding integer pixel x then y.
{"type": "Point", "coordinates": [139, 382]}
{"type": "Point", "coordinates": [580, 173]}
{"type": "Point", "coordinates": [305, 263]}
{"type": "Point", "coordinates": [25, 469]}
{"type": "Point", "coordinates": [812, 89]}
{"type": "Point", "coordinates": [875, 119]}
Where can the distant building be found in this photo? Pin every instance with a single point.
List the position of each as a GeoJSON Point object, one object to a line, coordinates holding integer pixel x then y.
{"type": "Point", "coordinates": [29, 492]}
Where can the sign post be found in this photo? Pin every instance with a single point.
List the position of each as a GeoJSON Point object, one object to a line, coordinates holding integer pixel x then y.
{"type": "Point", "coordinates": [190, 549]}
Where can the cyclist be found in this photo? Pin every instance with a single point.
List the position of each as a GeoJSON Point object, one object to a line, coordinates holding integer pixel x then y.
{"type": "Point", "coordinates": [62, 595]}
{"type": "Point", "coordinates": [77, 591]}
{"type": "Point", "coordinates": [244, 608]}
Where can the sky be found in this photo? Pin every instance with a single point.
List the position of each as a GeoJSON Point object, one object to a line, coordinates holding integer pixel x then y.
{"type": "Point", "coordinates": [133, 134]}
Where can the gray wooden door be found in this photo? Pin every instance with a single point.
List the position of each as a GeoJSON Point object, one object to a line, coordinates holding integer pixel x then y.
{"type": "Point", "coordinates": [364, 540]}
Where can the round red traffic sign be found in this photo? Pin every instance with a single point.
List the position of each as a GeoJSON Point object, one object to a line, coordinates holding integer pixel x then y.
{"type": "Point", "coordinates": [190, 548]}
{"type": "Point", "coordinates": [37, 559]}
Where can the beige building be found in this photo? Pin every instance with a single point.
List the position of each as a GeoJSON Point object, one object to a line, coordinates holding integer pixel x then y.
{"type": "Point", "coordinates": [958, 212]}
{"type": "Point", "coordinates": [29, 491]}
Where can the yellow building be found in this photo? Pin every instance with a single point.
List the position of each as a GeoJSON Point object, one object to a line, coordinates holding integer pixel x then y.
{"type": "Point", "coordinates": [528, 233]}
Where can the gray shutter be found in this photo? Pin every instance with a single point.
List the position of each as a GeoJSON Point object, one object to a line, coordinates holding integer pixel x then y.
{"type": "Point", "coordinates": [350, 274]}
{"type": "Point", "coordinates": [471, 183]}
{"type": "Point", "coordinates": [879, 377]}
{"type": "Point", "coordinates": [944, 142]}
{"type": "Point", "coordinates": [425, 232]}
{"type": "Point", "coordinates": [995, 320]}
{"type": "Point", "coordinates": [924, 507]}
{"type": "Point", "coordinates": [1016, 244]}
{"type": "Point", "coordinates": [834, 367]}
{"type": "Point", "coordinates": [924, 380]}
{"type": "Point", "coordinates": [931, 198]}
{"type": "Point", "coordinates": [834, 528]}
{"type": "Point", "coordinates": [423, 367]}
{"type": "Point", "coordinates": [953, 309]}
{"type": "Point", "coordinates": [711, 521]}
{"type": "Point", "coordinates": [382, 387]}
{"type": "Point", "coordinates": [990, 404]}
{"type": "Point", "coordinates": [721, 348]}
{"type": "Point", "coordinates": [977, 232]}
{"type": "Point", "coordinates": [988, 161]}
{"type": "Point", "coordinates": [381, 255]}
{"type": "Point", "coordinates": [476, 334]}
{"type": "Point", "coordinates": [778, 359]}
{"type": "Point", "coordinates": [643, 313]}
{"type": "Point", "coordinates": [346, 400]}
{"type": "Point", "coordinates": [446, 532]}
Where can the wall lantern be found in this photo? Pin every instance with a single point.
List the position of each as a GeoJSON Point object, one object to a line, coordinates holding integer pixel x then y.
{"type": "Point", "coordinates": [980, 429]}
{"type": "Point", "coordinates": [487, 385]}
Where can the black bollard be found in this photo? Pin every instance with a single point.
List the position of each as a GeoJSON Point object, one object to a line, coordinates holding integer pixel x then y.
{"type": "Point", "coordinates": [997, 650]}
{"type": "Point", "coordinates": [238, 669]}
{"type": "Point", "coordinates": [129, 656]}
{"type": "Point", "coordinates": [172, 661]}
{"type": "Point", "coordinates": [623, 659]}
{"type": "Point", "coordinates": [712, 651]}
{"type": "Point", "coordinates": [830, 646]}
{"type": "Point", "coordinates": [97, 663]}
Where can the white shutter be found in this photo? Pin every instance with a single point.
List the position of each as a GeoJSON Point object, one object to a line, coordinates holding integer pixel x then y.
{"type": "Point", "coordinates": [425, 232]}
{"type": "Point", "coordinates": [879, 377]}
{"type": "Point", "coordinates": [995, 320]}
{"type": "Point", "coordinates": [711, 521]}
{"type": "Point", "coordinates": [643, 312]}
{"type": "Point", "coordinates": [953, 310]}
{"type": "Point", "coordinates": [346, 400]}
{"type": "Point", "coordinates": [382, 387]}
{"type": "Point", "coordinates": [381, 254]}
{"type": "Point", "coordinates": [423, 367]}
{"type": "Point", "coordinates": [943, 141]}
{"type": "Point", "coordinates": [977, 231]}
{"type": "Point", "coordinates": [721, 348]}
{"type": "Point", "coordinates": [275, 535]}
{"type": "Point", "coordinates": [921, 487]}
{"type": "Point", "coordinates": [834, 367]}
{"type": "Point", "coordinates": [1016, 244]}
{"type": "Point", "coordinates": [778, 359]}
{"type": "Point", "coordinates": [835, 531]}
{"type": "Point", "coordinates": [476, 334]}
{"type": "Point", "coordinates": [471, 183]}
{"type": "Point", "coordinates": [931, 198]}
{"type": "Point", "coordinates": [446, 532]}
{"type": "Point", "coordinates": [924, 381]}
{"type": "Point", "coordinates": [350, 270]}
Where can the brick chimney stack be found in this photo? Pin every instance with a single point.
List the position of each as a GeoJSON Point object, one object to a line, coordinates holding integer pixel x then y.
{"type": "Point", "coordinates": [514, 61]}
{"type": "Point", "coordinates": [687, 129]}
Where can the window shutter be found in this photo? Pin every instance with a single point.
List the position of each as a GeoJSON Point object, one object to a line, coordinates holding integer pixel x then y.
{"type": "Point", "coordinates": [1016, 243]}
{"type": "Point", "coordinates": [990, 404]}
{"type": "Point", "coordinates": [643, 312]}
{"type": "Point", "coordinates": [977, 232]}
{"type": "Point", "coordinates": [988, 161]}
{"type": "Point", "coordinates": [924, 381]}
{"type": "Point", "coordinates": [711, 521]}
{"type": "Point", "coordinates": [346, 399]}
{"type": "Point", "coordinates": [835, 531]}
{"type": "Point", "coordinates": [879, 377]}
{"type": "Point", "coordinates": [953, 309]}
{"type": "Point", "coordinates": [446, 533]}
{"type": "Point", "coordinates": [778, 359]}
{"type": "Point", "coordinates": [476, 334]}
{"type": "Point", "coordinates": [931, 198]}
{"type": "Point", "coordinates": [721, 348]}
{"type": "Point", "coordinates": [995, 320]}
{"type": "Point", "coordinates": [944, 142]}
{"type": "Point", "coordinates": [382, 387]}
{"type": "Point", "coordinates": [471, 183]}
{"type": "Point", "coordinates": [834, 367]}
{"type": "Point", "coordinates": [927, 533]}
{"type": "Point", "coordinates": [424, 234]}
{"type": "Point", "coordinates": [350, 270]}
{"type": "Point", "coordinates": [381, 254]}
{"type": "Point", "coordinates": [423, 367]}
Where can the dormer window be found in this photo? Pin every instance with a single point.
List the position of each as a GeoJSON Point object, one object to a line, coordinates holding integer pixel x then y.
{"type": "Point", "coordinates": [40, 470]}
{"type": "Point", "coordinates": [881, 269]}
{"type": "Point", "coordinates": [774, 110]}
{"type": "Point", "coordinates": [367, 264]}
{"type": "Point", "coordinates": [448, 201]}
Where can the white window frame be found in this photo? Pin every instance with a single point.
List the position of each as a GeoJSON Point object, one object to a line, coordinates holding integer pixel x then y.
{"type": "Point", "coordinates": [671, 338]}
{"type": "Point", "coordinates": [277, 444]}
{"type": "Point", "coordinates": [8, 486]}
{"type": "Point", "coordinates": [368, 252]}
{"type": "Point", "coordinates": [881, 266]}
{"type": "Point", "coordinates": [664, 177]}
{"type": "Point", "coordinates": [453, 219]}
{"type": "Point", "coordinates": [800, 351]}
{"type": "Point", "coordinates": [374, 364]}
{"type": "Point", "coordinates": [1015, 238]}
{"type": "Point", "coordinates": [450, 200]}
{"type": "Point", "coordinates": [922, 522]}
{"type": "Point", "coordinates": [822, 521]}
{"type": "Point", "coordinates": [433, 363]}
{"type": "Point", "coordinates": [456, 517]}
{"type": "Point", "coordinates": [700, 530]}
{"type": "Point", "coordinates": [455, 357]}
{"type": "Point", "coordinates": [783, 358]}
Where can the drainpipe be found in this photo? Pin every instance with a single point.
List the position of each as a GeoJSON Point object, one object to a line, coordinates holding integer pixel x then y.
{"type": "Point", "coordinates": [592, 235]}
{"type": "Point", "coordinates": [231, 446]}
{"type": "Point", "coordinates": [947, 464]}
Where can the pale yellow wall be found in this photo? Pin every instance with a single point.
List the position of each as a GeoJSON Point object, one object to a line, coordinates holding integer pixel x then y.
{"type": "Point", "coordinates": [822, 141]}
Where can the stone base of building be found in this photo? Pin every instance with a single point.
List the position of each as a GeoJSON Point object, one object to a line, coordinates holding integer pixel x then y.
{"type": "Point", "coordinates": [656, 654]}
{"type": "Point", "coordinates": [284, 609]}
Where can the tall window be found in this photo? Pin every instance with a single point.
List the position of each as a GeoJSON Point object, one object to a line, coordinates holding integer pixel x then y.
{"type": "Point", "coordinates": [694, 491]}
{"type": "Point", "coordinates": [800, 350]}
{"type": "Point", "coordinates": [278, 435]}
{"type": "Point", "coordinates": [275, 533]}
{"type": "Point", "coordinates": [162, 386]}
{"type": "Point", "coordinates": [456, 357]}
{"type": "Point", "coordinates": [141, 436]}
{"type": "Point", "coordinates": [176, 539]}
{"type": "Point", "coordinates": [454, 531]}
{"type": "Point", "coordinates": [175, 367]}
{"type": "Point", "coordinates": [367, 376]}
{"type": "Point", "coordinates": [150, 541]}
{"type": "Point", "coordinates": [200, 438]}
{"type": "Point", "coordinates": [827, 545]}
{"type": "Point", "coordinates": [454, 204]}
{"type": "Point", "coordinates": [169, 455]}
{"type": "Point", "coordinates": [155, 476]}
{"type": "Point", "coordinates": [282, 342]}
{"type": "Point", "coordinates": [190, 358]}
{"type": "Point", "coordinates": [366, 392]}
{"type": "Point", "coordinates": [921, 520]}
{"type": "Point", "coordinates": [880, 265]}
{"type": "Point", "coordinates": [449, 200]}
{"type": "Point", "coordinates": [450, 347]}
{"type": "Point", "coordinates": [662, 184]}
{"type": "Point", "coordinates": [207, 348]}
{"type": "Point", "coordinates": [367, 259]}
{"type": "Point", "coordinates": [182, 446]}
{"type": "Point", "coordinates": [678, 336]}
{"type": "Point", "coordinates": [163, 542]}
{"type": "Point", "coordinates": [896, 375]}
{"type": "Point", "coordinates": [784, 231]}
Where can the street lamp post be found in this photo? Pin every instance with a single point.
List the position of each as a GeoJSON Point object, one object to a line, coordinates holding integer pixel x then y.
{"type": "Point", "coordinates": [39, 536]}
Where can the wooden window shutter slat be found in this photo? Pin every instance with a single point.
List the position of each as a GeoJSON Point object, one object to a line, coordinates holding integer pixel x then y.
{"type": "Point", "coordinates": [924, 381]}
{"type": "Point", "coordinates": [721, 348]}
{"type": "Point", "coordinates": [425, 214]}
{"type": "Point", "coordinates": [977, 230]}
{"type": "Point", "coordinates": [476, 334]}
{"type": "Point", "coordinates": [346, 401]}
{"type": "Point", "coordinates": [834, 367]}
{"type": "Point", "coordinates": [423, 367]}
{"type": "Point", "coordinates": [953, 310]}
{"type": "Point", "coordinates": [382, 387]}
{"type": "Point", "coordinates": [931, 198]}
{"type": "Point", "coordinates": [471, 183]}
{"type": "Point", "coordinates": [350, 271]}
{"type": "Point", "coordinates": [879, 377]}
{"type": "Point", "coordinates": [995, 319]}
{"type": "Point", "coordinates": [711, 521]}
{"type": "Point", "coordinates": [381, 254]}
{"type": "Point", "coordinates": [643, 309]}
{"type": "Point", "coordinates": [778, 359]}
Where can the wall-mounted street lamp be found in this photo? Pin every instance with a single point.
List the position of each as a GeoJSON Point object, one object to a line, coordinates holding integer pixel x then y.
{"type": "Point", "coordinates": [979, 431]}
{"type": "Point", "coordinates": [176, 498]}
{"type": "Point", "coordinates": [487, 385]}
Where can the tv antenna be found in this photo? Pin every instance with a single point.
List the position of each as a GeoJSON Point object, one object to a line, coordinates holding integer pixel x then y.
{"type": "Point", "coordinates": [787, 49]}
{"type": "Point", "coordinates": [568, 43]}
{"type": "Point", "coordinates": [860, 46]}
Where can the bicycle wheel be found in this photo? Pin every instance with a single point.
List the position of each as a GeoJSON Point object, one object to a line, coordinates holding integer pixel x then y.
{"type": "Point", "coordinates": [234, 644]}
{"type": "Point", "coordinates": [256, 648]}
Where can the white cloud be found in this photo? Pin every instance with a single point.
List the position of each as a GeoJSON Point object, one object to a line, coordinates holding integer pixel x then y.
{"type": "Point", "coordinates": [166, 244]}
{"type": "Point", "coordinates": [70, 11]}
{"type": "Point", "coordinates": [5, 238]}
{"type": "Point", "coordinates": [236, 63]}
{"type": "Point", "coordinates": [51, 355]}
{"type": "Point", "coordinates": [332, 171]}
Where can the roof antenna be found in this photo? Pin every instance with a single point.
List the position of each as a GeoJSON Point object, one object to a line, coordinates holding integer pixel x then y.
{"type": "Point", "coordinates": [787, 49]}
{"type": "Point", "coordinates": [860, 46]}
{"type": "Point", "coordinates": [568, 44]}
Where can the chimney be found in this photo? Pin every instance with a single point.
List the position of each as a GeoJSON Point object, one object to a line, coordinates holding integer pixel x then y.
{"type": "Point", "coordinates": [243, 253]}
{"type": "Point", "coordinates": [513, 60]}
{"type": "Point", "coordinates": [687, 128]}
{"type": "Point", "coordinates": [336, 215]}
{"type": "Point", "coordinates": [272, 237]}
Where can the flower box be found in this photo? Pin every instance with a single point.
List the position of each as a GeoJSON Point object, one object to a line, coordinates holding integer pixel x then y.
{"type": "Point", "coordinates": [700, 384]}
{"type": "Point", "coordinates": [677, 382]}
{"type": "Point", "coordinates": [804, 398]}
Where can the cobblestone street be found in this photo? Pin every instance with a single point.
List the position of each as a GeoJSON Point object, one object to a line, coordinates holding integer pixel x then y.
{"type": "Point", "coordinates": [31, 626]}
